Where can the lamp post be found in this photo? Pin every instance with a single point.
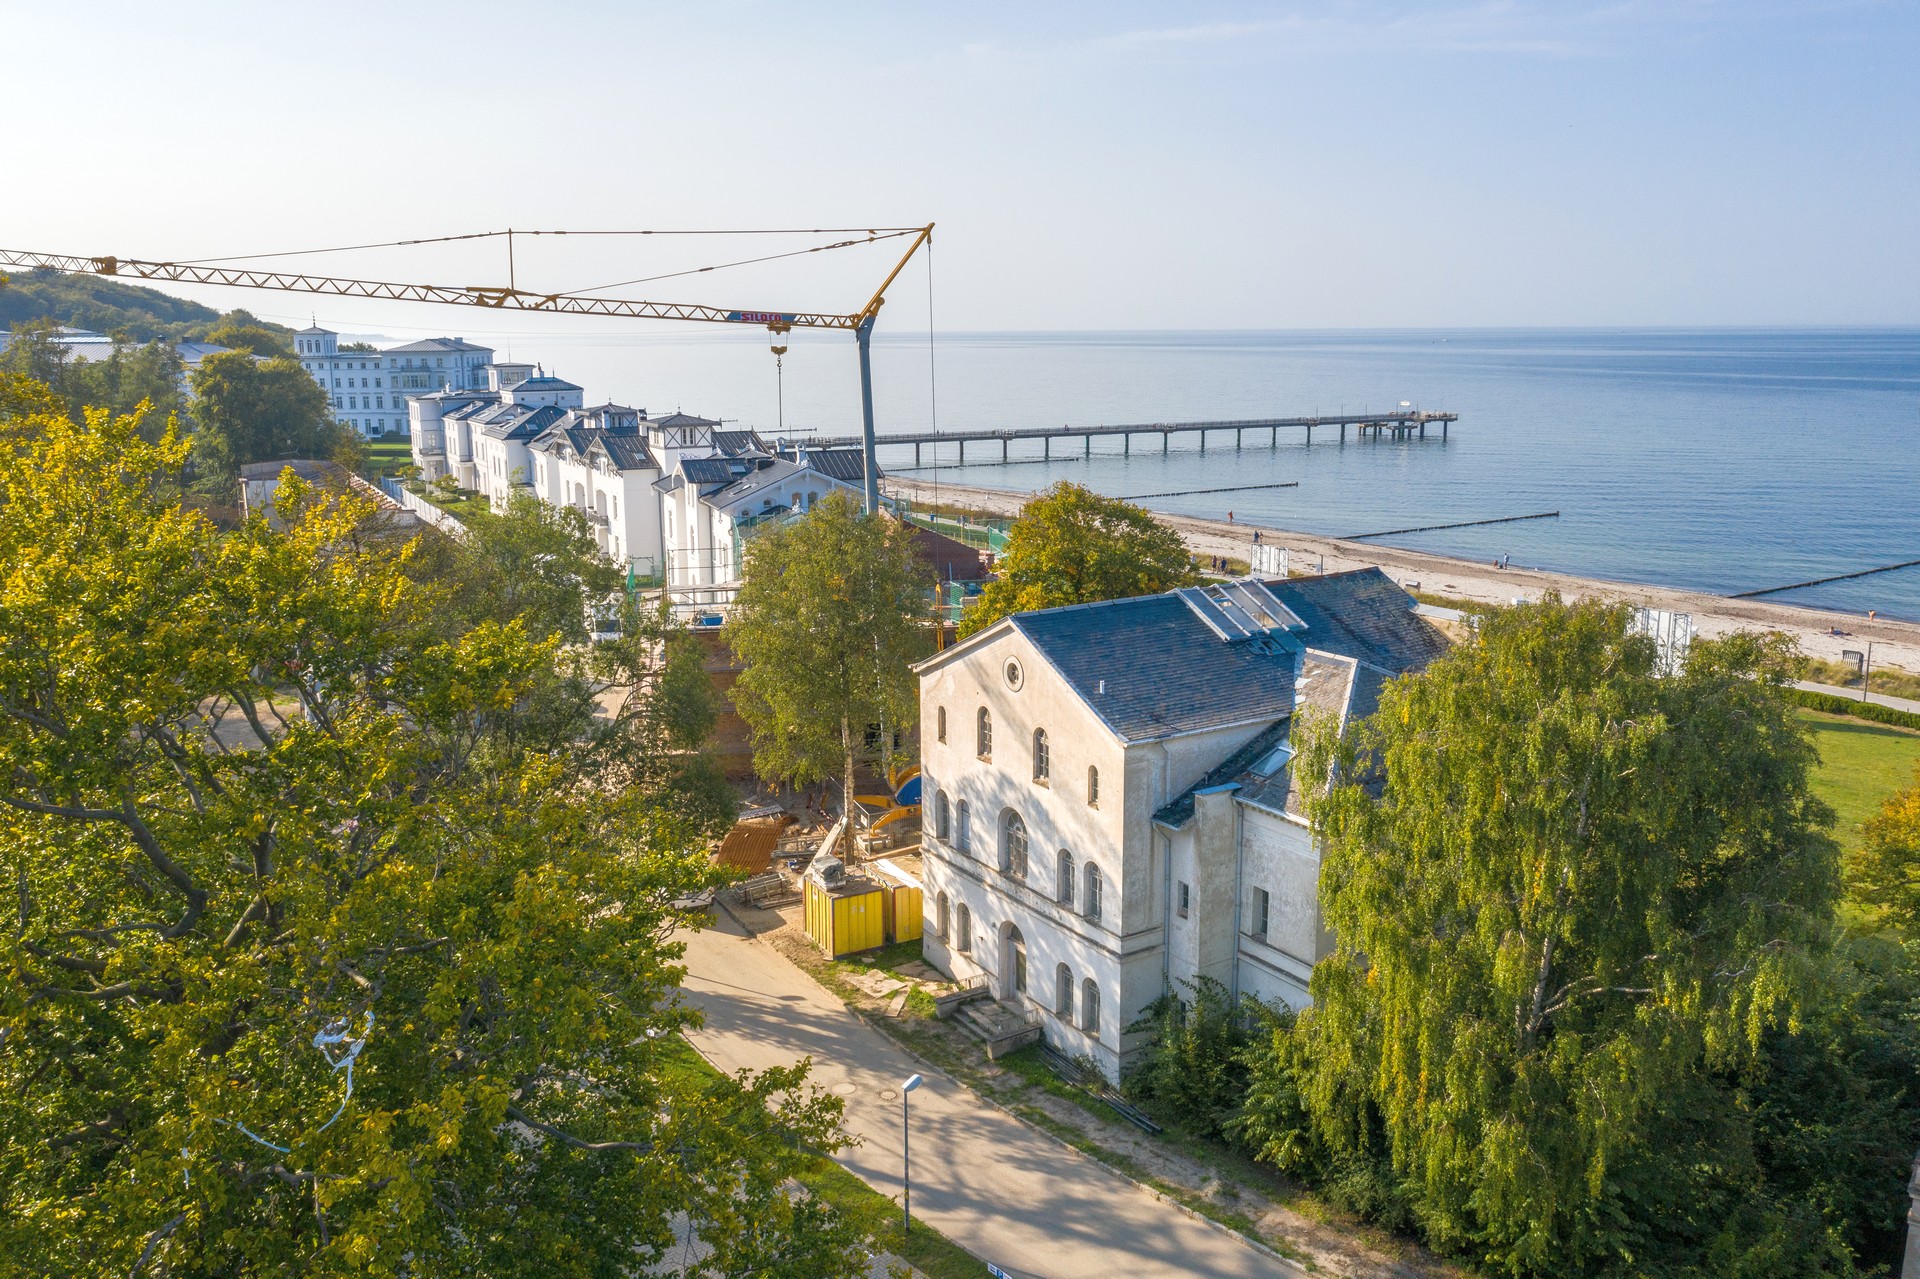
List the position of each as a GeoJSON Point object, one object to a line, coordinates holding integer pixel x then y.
{"type": "Point", "coordinates": [906, 1162]}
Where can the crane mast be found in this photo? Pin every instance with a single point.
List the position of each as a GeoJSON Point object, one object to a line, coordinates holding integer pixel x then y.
{"type": "Point", "coordinates": [511, 298]}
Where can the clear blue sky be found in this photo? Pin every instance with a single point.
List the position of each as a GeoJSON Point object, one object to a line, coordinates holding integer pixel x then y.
{"type": "Point", "coordinates": [1105, 165]}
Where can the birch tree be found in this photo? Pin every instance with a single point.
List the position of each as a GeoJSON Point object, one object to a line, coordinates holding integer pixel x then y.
{"type": "Point", "coordinates": [830, 618]}
{"type": "Point", "coordinates": [1562, 889]}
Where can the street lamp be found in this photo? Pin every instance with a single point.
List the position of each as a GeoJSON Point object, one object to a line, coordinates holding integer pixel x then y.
{"type": "Point", "coordinates": [906, 1162]}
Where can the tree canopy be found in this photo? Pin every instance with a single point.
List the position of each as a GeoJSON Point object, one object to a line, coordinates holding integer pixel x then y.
{"type": "Point", "coordinates": [1073, 546]}
{"type": "Point", "coordinates": [832, 612]}
{"type": "Point", "coordinates": [132, 373]}
{"type": "Point", "coordinates": [1886, 872]}
{"type": "Point", "coordinates": [101, 304]}
{"type": "Point", "coordinates": [335, 948]}
{"type": "Point", "coordinates": [243, 331]}
{"type": "Point", "coordinates": [252, 410]}
{"type": "Point", "coordinates": [1564, 891]}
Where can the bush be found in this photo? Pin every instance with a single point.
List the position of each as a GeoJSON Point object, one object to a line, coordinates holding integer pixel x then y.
{"type": "Point", "coordinates": [1834, 705]}
{"type": "Point", "coordinates": [1195, 1072]}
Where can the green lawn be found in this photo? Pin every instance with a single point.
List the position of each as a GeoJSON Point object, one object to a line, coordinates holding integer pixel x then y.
{"type": "Point", "coordinates": [1861, 763]}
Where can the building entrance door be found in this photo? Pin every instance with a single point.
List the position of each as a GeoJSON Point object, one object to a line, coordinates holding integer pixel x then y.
{"type": "Point", "coordinates": [1016, 966]}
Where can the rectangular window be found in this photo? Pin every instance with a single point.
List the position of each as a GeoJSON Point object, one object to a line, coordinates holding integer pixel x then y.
{"type": "Point", "coordinates": [1184, 898]}
{"type": "Point", "coordinates": [1262, 904]}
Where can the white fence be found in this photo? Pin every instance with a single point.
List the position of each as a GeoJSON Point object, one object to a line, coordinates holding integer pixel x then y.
{"type": "Point", "coordinates": [420, 506]}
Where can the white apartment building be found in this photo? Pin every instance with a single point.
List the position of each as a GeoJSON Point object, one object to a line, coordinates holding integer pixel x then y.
{"type": "Point", "coordinates": [369, 389]}
{"type": "Point", "coordinates": [713, 499]}
{"type": "Point", "coordinates": [1110, 804]}
{"type": "Point", "coordinates": [672, 497]}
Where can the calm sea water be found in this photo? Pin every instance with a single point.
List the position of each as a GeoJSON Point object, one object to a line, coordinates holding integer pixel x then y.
{"type": "Point", "coordinates": [1723, 460]}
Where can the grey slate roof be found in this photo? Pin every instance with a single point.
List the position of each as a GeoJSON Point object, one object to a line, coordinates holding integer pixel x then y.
{"type": "Point", "coordinates": [842, 464]}
{"type": "Point", "coordinates": [733, 443]}
{"type": "Point", "coordinates": [518, 422]}
{"type": "Point", "coordinates": [625, 451]}
{"type": "Point", "coordinates": [1165, 672]}
{"type": "Point", "coordinates": [714, 470]}
{"type": "Point", "coordinates": [1362, 614]}
{"type": "Point", "coordinates": [434, 346]}
{"type": "Point", "coordinates": [1231, 769]}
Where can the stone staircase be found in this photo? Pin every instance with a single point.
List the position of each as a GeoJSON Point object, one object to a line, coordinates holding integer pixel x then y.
{"type": "Point", "coordinates": [1000, 1027]}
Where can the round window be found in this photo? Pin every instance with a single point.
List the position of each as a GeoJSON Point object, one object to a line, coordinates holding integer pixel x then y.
{"type": "Point", "coordinates": [1014, 674]}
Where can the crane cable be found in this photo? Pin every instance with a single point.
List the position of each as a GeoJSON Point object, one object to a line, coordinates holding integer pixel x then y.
{"type": "Point", "coordinates": [879, 232]}
{"type": "Point", "coordinates": [771, 257]}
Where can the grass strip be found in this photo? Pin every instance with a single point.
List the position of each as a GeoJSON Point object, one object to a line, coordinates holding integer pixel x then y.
{"type": "Point", "coordinates": [925, 1248]}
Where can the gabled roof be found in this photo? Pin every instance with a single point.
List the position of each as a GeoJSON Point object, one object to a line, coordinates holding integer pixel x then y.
{"type": "Point", "coordinates": [626, 452]}
{"type": "Point", "coordinates": [715, 470]}
{"type": "Point", "coordinates": [1362, 614]}
{"type": "Point", "coordinates": [1151, 668]}
{"type": "Point", "coordinates": [547, 383]}
{"type": "Point", "coordinates": [313, 331]}
{"type": "Point", "coordinates": [520, 422]}
{"type": "Point", "coordinates": [683, 419]}
{"type": "Point", "coordinates": [734, 443]}
{"type": "Point", "coordinates": [437, 346]}
{"type": "Point", "coordinates": [841, 464]}
{"type": "Point", "coordinates": [1162, 665]}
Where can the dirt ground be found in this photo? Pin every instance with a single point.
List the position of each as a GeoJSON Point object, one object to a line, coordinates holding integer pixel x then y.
{"type": "Point", "coordinates": [1819, 633]}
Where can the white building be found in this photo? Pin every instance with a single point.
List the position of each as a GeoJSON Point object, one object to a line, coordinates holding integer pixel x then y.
{"type": "Point", "coordinates": [368, 389]}
{"type": "Point", "coordinates": [714, 498]}
{"type": "Point", "coordinates": [1110, 807]}
{"type": "Point", "coordinates": [84, 346]}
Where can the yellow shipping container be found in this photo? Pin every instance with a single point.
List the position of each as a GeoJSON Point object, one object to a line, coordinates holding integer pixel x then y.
{"type": "Point", "coordinates": [904, 904]}
{"type": "Point", "coordinates": [847, 918]}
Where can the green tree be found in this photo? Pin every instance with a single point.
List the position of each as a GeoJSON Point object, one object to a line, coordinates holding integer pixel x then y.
{"type": "Point", "coordinates": [1885, 874]}
{"type": "Point", "coordinates": [534, 562]}
{"type": "Point", "coordinates": [242, 331]}
{"type": "Point", "coordinates": [324, 959]}
{"type": "Point", "coordinates": [1563, 890]}
{"type": "Point", "coordinates": [1073, 546]}
{"type": "Point", "coordinates": [249, 410]}
{"type": "Point", "coordinates": [832, 614]}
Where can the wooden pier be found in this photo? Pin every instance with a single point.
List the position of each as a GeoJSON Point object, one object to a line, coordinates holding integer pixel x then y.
{"type": "Point", "coordinates": [1400, 425]}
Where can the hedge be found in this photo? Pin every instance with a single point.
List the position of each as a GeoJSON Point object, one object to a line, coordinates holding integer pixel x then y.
{"type": "Point", "coordinates": [1835, 705]}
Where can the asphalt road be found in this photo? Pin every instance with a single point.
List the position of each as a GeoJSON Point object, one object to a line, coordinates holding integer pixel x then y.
{"type": "Point", "coordinates": [1005, 1192]}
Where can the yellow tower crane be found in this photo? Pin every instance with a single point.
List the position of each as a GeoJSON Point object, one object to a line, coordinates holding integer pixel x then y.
{"type": "Point", "coordinates": [512, 298]}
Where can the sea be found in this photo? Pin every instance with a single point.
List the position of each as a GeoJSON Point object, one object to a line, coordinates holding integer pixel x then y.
{"type": "Point", "coordinates": [1723, 460]}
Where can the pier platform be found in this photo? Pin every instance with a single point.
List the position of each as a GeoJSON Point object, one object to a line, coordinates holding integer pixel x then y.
{"type": "Point", "coordinates": [1400, 424]}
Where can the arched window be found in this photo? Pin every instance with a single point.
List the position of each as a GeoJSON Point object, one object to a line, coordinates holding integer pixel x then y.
{"type": "Point", "coordinates": [944, 919]}
{"type": "Point", "coordinates": [966, 828]}
{"type": "Point", "coordinates": [942, 816]}
{"type": "Point", "coordinates": [1093, 787]}
{"type": "Point", "coordinates": [1013, 845]}
{"type": "Point", "coordinates": [964, 937]}
{"type": "Point", "coordinates": [1063, 992]}
{"type": "Point", "coordinates": [940, 724]}
{"type": "Point", "coordinates": [1042, 761]}
{"type": "Point", "coordinates": [1090, 902]}
{"type": "Point", "coordinates": [1090, 1008]}
{"type": "Point", "coordinates": [983, 734]}
{"type": "Point", "coordinates": [1063, 878]}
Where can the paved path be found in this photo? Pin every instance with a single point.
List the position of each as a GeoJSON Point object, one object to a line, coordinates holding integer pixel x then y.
{"type": "Point", "coordinates": [1035, 1208]}
{"type": "Point", "coordinates": [1853, 695]}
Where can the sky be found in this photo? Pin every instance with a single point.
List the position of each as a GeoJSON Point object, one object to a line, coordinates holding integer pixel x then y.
{"type": "Point", "coordinates": [1348, 163]}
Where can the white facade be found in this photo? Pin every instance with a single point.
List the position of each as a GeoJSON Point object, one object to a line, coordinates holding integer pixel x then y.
{"type": "Point", "coordinates": [369, 389]}
{"type": "Point", "coordinates": [1108, 806]}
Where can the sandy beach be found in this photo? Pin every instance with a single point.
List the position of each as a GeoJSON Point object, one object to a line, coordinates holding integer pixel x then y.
{"type": "Point", "coordinates": [1820, 633]}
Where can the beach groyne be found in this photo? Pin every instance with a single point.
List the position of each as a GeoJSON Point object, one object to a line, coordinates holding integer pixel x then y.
{"type": "Point", "coordinates": [1821, 633]}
